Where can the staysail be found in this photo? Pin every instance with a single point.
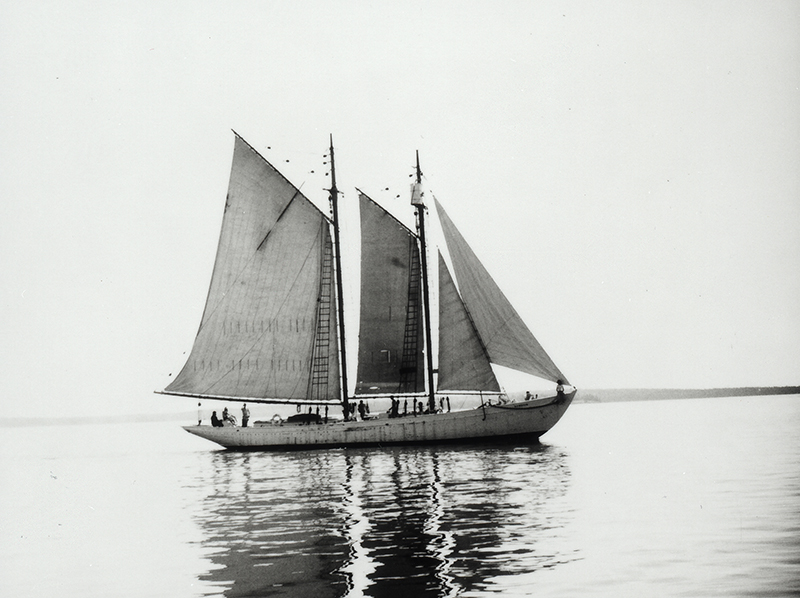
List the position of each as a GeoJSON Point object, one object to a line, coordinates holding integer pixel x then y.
{"type": "Point", "coordinates": [507, 340]}
{"type": "Point", "coordinates": [268, 329]}
{"type": "Point", "coordinates": [390, 335]}
{"type": "Point", "coordinates": [463, 360]}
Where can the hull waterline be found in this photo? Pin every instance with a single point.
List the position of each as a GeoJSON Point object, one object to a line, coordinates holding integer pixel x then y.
{"type": "Point", "coordinates": [490, 423]}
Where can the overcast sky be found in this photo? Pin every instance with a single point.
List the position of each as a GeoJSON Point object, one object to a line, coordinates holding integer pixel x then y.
{"type": "Point", "coordinates": [628, 171]}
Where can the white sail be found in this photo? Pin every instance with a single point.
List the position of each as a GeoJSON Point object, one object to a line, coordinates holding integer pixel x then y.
{"type": "Point", "coordinates": [268, 330]}
{"type": "Point", "coordinates": [390, 335]}
{"type": "Point", "coordinates": [506, 338]}
{"type": "Point", "coordinates": [463, 360]}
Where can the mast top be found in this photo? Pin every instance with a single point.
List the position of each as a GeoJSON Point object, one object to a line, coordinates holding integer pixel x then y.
{"type": "Point", "coordinates": [333, 188]}
{"type": "Point", "coordinates": [417, 193]}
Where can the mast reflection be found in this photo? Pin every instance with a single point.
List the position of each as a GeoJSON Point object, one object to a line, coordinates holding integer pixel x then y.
{"type": "Point", "coordinates": [379, 522]}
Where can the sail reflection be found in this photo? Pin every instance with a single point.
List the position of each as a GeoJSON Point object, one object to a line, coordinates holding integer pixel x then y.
{"type": "Point", "coordinates": [379, 522]}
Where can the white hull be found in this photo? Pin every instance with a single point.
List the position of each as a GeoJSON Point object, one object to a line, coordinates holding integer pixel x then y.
{"type": "Point", "coordinates": [523, 419]}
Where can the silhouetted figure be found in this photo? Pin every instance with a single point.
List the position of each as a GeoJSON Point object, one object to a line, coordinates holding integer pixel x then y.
{"type": "Point", "coordinates": [215, 420]}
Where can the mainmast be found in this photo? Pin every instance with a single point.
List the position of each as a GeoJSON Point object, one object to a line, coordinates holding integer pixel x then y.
{"type": "Point", "coordinates": [334, 199]}
{"type": "Point", "coordinates": [418, 200]}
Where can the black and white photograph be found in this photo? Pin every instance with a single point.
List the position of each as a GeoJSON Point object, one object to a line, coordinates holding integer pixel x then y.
{"type": "Point", "coordinates": [400, 299]}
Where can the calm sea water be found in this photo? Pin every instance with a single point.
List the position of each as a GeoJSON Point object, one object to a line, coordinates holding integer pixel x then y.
{"type": "Point", "coordinates": [687, 498]}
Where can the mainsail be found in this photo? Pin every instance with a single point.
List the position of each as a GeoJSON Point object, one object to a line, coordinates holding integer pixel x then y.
{"type": "Point", "coordinates": [390, 336]}
{"type": "Point", "coordinates": [268, 330]}
{"type": "Point", "coordinates": [506, 339]}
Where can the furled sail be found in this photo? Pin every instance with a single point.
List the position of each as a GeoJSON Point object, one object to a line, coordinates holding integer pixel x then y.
{"type": "Point", "coordinates": [463, 361]}
{"type": "Point", "coordinates": [390, 335]}
{"type": "Point", "coordinates": [506, 338]}
{"type": "Point", "coordinates": [268, 329]}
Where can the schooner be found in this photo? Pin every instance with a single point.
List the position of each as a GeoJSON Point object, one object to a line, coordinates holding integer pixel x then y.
{"type": "Point", "coordinates": [273, 327]}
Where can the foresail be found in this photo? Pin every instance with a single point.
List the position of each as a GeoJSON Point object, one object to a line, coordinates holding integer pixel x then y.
{"type": "Point", "coordinates": [264, 325]}
{"type": "Point", "coordinates": [463, 361]}
{"type": "Point", "coordinates": [390, 328]}
{"type": "Point", "coordinates": [507, 339]}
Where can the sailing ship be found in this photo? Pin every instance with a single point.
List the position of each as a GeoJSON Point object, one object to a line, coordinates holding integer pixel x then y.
{"type": "Point", "coordinates": [273, 327]}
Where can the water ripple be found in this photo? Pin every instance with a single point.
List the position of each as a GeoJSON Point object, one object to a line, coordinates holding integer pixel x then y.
{"type": "Point", "coordinates": [378, 522]}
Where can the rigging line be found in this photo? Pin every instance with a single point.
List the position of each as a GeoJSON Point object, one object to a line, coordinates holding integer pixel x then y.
{"type": "Point", "coordinates": [264, 240]}
{"type": "Point", "coordinates": [313, 350]}
{"type": "Point", "coordinates": [280, 308]}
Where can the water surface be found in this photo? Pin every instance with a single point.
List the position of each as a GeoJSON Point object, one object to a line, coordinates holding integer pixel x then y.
{"type": "Point", "coordinates": [669, 498]}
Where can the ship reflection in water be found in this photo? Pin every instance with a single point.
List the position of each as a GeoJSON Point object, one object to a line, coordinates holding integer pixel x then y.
{"type": "Point", "coordinates": [379, 522]}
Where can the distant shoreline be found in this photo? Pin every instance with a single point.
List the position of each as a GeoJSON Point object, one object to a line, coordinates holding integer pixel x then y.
{"type": "Point", "coordinates": [666, 394]}
{"type": "Point", "coordinates": [23, 422]}
{"type": "Point", "coordinates": [583, 397]}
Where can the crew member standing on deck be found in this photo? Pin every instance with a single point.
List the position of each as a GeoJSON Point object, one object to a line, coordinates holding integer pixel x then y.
{"type": "Point", "coordinates": [245, 415]}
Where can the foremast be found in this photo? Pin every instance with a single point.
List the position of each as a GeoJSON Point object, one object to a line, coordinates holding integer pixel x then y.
{"type": "Point", "coordinates": [337, 250]}
{"type": "Point", "coordinates": [418, 201]}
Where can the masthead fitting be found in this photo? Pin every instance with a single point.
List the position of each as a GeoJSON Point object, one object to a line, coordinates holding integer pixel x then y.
{"type": "Point", "coordinates": [417, 192]}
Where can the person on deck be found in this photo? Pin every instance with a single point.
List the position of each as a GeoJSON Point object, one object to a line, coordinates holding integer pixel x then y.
{"type": "Point", "coordinates": [215, 420]}
{"type": "Point", "coordinates": [362, 410]}
{"type": "Point", "coordinates": [245, 415]}
{"type": "Point", "coordinates": [228, 418]}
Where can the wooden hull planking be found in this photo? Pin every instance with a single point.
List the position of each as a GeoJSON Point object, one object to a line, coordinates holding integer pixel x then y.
{"type": "Point", "coordinates": [522, 419]}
